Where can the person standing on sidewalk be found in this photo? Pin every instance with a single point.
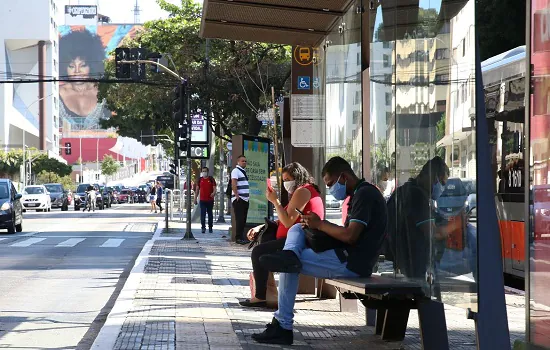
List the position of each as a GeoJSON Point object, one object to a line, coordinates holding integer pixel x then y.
{"type": "Point", "coordinates": [239, 198]}
{"type": "Point", "coordinates": [205, 189]}
{"type": "Point", "coordinates": [159, 195]}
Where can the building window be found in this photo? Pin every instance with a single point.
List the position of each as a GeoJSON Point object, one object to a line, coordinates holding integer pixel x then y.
{"type": "Point", "coordinates": [356, 116]}
{"type": "Point", "coordinates": [386, 45]}
{"type": "Point", "coordinates": [388, 99]}
{"type": "Point", "coordinates": [359, 58]}
{"type": "Point", "coordinates": [357, 97]}
{"type": "Point", "coordinates": [442, 78]}
{"type": "Point", "coordinates": [386, 59]}
{"type": "Point", "coordinates": [441, 54]}
{"type": "Point", "coordinates": [55, 101]}
{"type": "Point", "coordinates": [388, 118]}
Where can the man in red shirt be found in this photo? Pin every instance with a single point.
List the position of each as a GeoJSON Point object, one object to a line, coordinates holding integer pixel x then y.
{"type": "Point", "coordinates": [205, 189]}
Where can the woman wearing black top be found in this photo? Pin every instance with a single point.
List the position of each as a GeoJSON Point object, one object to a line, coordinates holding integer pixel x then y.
{"type": "Point", "coordinates": [153, 199]}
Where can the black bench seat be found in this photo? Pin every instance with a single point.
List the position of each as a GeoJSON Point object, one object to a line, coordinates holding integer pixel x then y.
{"type": "Point", "coordinates": [388, 301]}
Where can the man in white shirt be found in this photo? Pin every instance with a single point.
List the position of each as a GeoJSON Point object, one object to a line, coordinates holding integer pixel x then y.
{"type": "Point", "coordinates": [239, 198]}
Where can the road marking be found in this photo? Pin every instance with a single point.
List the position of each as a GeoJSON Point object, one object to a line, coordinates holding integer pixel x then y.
{"type": "Point", "coordinates": [112, 243]}
{"type": "Point", "coordinates": [27, 242]}
{"type": "Point", "coordinates": [1, 239]}
{"type": "Point", "coordinates": [70, 242]}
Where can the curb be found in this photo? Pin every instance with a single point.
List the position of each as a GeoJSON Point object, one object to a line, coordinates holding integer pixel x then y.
{"type": "Point", "coordinates": [106, 339]}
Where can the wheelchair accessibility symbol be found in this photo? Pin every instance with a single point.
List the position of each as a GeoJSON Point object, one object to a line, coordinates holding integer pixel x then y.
{"type": "Point", "coordinates": [304, 83]}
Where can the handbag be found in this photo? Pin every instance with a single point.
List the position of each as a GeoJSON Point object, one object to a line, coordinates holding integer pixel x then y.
{"type": "Point", "coordinates": [268, 232]}
{"type": "Point", "coordinates": [319, 241]}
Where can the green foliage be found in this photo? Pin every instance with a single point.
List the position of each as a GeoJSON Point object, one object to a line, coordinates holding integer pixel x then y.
{"type": "Point", "coordinates": [500, 26]}
{"type": "Point", "coordinates": [44, 163]}
{"type": "Point", "coordinates": [46, 177]}
{"type": "Point", "coordinates": [234, 83]}
{"type": "Point", "coordinates": [109, 166]}
{"type": "Point", "coordinates": [10, 162]}
{"type": "Point", "coordinates": [440, 133]}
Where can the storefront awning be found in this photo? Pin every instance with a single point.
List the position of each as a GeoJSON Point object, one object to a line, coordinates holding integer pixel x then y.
{"type": "Point", "coordinates": [289, 22]}
{"type": "Point", "coordinates": [455, 138]}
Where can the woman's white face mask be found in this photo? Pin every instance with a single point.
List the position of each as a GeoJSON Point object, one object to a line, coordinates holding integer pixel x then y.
{"type": "Point", "coordinates": [289, 186]}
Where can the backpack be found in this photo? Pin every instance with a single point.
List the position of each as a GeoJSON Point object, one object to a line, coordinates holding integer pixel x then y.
{"type": "Point", "coordinates": [229, 189]}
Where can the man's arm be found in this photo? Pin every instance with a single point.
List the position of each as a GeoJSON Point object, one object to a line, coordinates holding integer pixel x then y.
{"type": "Point", "coordinates": [348, 235]}
{"type": "Point", "coordinates": [234, 188]}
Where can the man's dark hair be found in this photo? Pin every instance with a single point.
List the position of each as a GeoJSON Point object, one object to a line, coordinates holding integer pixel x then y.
{"type": "Point", "coordinates": [85, 45]}
{"type": "Point", "coordinates": [241, 156]}
{"type": "Point", "coordinates": [205, 167]}
{"type": "Point", "coordinates": [435, 167]}
{"type": "Point", "coordinates": [336, 166]}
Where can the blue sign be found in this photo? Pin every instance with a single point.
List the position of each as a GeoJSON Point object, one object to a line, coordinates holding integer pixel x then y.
{"type": "Point", "coordinates": [304, 83]}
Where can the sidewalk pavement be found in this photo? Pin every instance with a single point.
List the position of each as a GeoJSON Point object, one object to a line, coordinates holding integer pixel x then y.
{"type": "Point", "coordinates": [183, 294]}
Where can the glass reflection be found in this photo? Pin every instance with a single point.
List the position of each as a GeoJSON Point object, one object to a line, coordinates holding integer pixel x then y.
{"type": "Point", "coordinates": [422, 68]}
{"type": "Point", "coordinates": [539, 320]}
{"type": "Point", "coordinates": [343, 91]}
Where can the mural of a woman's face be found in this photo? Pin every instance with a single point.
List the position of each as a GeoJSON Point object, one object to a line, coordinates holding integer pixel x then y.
{"type": "Point", "coordinates": [78, 69]}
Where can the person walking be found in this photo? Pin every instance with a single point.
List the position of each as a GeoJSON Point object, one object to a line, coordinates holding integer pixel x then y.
{"type": "Point", "coordinates": [153, 198]}
{"type": "Point", "coordinates": [205, 189]}
{"type": "Point", "coordinates": [239, 198]}
{"type": "Point", "coordinates": [159, 196]}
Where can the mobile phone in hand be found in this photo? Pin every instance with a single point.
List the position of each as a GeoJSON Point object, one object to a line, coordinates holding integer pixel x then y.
{"type": "Point", "coordinates": [299, 211]}
{"type": "Point", "coordinates": [269, 185]}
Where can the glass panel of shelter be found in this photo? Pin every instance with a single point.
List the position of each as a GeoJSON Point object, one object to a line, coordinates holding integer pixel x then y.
{"type": "Point", "coordinates": [422, 90]}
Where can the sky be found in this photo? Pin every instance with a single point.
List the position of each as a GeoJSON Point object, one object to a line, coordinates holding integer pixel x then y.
{"type": "Point", "coordinates": [120, 11]}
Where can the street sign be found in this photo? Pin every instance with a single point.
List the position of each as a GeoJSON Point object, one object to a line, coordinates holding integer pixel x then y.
{"type": "Point", "coordinates": [304, 83]}
{"type": "Point", "coordinates": [197, 152]}
{"type": "Point", "coordinates": [229, 146]}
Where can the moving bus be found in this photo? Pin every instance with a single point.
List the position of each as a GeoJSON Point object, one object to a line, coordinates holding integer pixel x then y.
{"type": "Point", "coordinates": [167, 181]}
{"type": "Point", "coordinates": [504, 84]}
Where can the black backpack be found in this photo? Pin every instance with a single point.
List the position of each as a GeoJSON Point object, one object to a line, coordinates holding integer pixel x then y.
{"type": "Point", "coordinates": [229, 189]}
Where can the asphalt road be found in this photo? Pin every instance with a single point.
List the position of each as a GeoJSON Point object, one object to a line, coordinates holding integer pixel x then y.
{"type": "Point", "coordinates": [61, 275]}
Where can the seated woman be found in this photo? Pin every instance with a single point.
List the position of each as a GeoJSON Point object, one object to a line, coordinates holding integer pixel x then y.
{"type": "Point", "coordinates": [304, 196]}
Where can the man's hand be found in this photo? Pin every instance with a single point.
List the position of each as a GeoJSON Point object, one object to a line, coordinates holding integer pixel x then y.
{"type": "Point", "coordinates": [213, 194]}
{"type": "Point", "coordinates": [312, 220]}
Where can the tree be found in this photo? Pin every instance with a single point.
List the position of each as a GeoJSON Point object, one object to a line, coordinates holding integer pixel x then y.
{"type": "Point", "coordinates": [109, 166]}
{"type": "Point", "coordinates": [440, 131]}
{"type": "Point", "coordinates": [44, 163]}
{"type": "Point", "coordinates": [48, 177]}
{"type": "Point", "coordinates": [232, 83]}
{"type": "Point", "coordinates": [500, 26]}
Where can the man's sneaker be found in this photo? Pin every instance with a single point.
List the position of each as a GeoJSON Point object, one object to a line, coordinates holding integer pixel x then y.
{"type": "Point", "coordinates": [282, 261]}
{"type": "Point", "coordinates": [210, 230]}
{"type": "Point", "coordinates": [203, 230]}
{"type": "Point", "coordinates": [274, 334]}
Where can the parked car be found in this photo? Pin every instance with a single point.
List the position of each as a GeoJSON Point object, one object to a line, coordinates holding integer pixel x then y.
{"type": "Point", "coordinates": [106, 196]}
{"type": "Point", "coordinates": [332, 203]}
{"type": "Point", "coordinates": [58, 195]}
{"type": "Point", "coordinates": [11, 209]}
{"type": "Point", "coordinates": [36, 197]}
{"type": "Point", "coordinates": [125, 196]}
{"type": "Point", "coordinates": [81, 198]}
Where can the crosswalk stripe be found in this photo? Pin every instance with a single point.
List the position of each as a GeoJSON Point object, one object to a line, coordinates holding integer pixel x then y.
{"type": "Point", "coordinates": [112, 243]}
{"type": "Point", "coordinates": [70, 242]}
{"type": "Point", "coordinates": [27, 242]}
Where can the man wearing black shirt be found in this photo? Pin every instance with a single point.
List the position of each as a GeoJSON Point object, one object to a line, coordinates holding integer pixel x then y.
{"type": "Point", "coordinates": [359, 242]}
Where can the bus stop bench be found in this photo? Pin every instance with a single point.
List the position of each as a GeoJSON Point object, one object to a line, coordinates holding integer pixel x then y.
{"type": "Point", "coordinates": [388, 302]}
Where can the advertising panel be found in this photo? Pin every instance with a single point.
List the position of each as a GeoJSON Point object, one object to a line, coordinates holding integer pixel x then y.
{"type": "Point", "coordinates": [199, 129]}
{"type": "Point", "coordinates": [539, 250]}
{"type": "Point", "coordinates": [81, 15]}
{"type": "Point", "coordinates": [82, 54]}
{"type": "Point", "coordinates": [256, 151]}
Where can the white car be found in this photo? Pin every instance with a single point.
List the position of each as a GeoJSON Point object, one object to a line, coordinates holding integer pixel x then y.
{"type": "Point", "coordinates": [37, 198]}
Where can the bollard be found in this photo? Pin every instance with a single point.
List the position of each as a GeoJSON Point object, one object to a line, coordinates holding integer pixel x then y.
{"type": "Point", "coordinates": [167, 207]}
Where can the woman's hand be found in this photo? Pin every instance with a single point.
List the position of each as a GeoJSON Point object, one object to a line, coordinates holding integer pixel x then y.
{"type": "Point", "coordinates": [253, 232]}
{"type": "Point", "coordinates": [271, 196]}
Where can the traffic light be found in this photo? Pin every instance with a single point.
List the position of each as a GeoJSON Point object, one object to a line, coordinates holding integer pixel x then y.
{"type": "Point", "coordinates": [122, 69]}
{"type": "Point", "coordinates": [173, 169]}
{"type": "Point", "coordinates": [183, 136]}
{"type": "Point", "coordinates": [138, 70]}
{"type": "Point", "coordinates": [177, 104]}
{"type": "Point", "coordinates": [67, 148]}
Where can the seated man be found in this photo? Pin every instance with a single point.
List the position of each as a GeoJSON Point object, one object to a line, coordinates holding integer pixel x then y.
{"type": "Point", "coordinates": [362, 238]}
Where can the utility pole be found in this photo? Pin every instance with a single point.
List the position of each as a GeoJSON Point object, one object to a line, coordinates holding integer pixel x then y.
{"type": "Point", "coordinates": [221, 200]}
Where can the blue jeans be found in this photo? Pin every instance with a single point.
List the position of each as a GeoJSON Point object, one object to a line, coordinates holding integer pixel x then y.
{"type": "Point", "coordinates": [206, 206]}
{"type": "Point", "coordinates": [322, 265]}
